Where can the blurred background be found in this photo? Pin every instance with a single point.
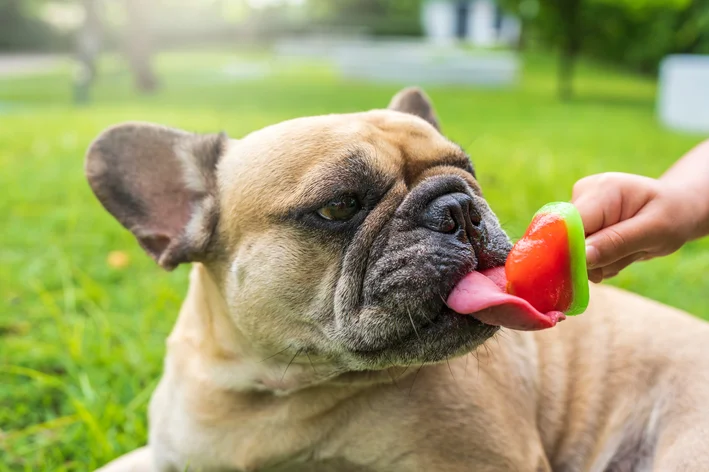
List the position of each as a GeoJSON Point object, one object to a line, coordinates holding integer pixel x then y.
{"type": "Point", "coordinates": [539, 92]}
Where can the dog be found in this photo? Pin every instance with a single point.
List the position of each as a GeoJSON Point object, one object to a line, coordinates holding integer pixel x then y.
{"type": "Point", "coordinates": [315, 335]}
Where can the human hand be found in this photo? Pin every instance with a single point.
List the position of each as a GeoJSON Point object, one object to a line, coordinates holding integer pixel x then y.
{"type": "Point", "coordinates": [629, 217]}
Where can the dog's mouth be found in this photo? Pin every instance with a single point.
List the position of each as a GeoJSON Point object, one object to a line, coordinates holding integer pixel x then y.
{"type": "Point", "coordinates": [482, 295]}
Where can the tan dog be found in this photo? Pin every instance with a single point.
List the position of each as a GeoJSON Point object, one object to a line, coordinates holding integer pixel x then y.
{"type": "Point", "coordinates": [324, 249]}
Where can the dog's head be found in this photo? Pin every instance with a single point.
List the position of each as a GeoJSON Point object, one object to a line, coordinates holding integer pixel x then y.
{"type": "Point", "coordinates": [335, 237]}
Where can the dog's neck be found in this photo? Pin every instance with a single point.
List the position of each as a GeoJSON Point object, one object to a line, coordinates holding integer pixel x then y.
{"type": "Point", "coordinates": [207, 343]}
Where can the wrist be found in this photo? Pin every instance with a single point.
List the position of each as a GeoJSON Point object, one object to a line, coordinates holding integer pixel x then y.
{"type": "Point", "coordinates": [691, 208]}
{"type": "Point", "coordinates": [690, 176]}
{"type": "Point", "coordinates": [702, 228]}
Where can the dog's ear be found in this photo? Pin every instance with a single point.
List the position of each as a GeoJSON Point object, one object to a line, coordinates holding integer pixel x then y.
{"type": "Point", "coordinates": [413, 100]}
{"type": "Point", "coordinates": [159, 183]}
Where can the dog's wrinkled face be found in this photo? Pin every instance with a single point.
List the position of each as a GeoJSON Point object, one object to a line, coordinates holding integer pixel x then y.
{"type": "Point", "coordinates": [338, 237]}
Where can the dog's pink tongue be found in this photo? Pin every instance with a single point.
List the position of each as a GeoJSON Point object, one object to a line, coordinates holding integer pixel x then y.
{"type": "Point", "coordinates": [482, 295]}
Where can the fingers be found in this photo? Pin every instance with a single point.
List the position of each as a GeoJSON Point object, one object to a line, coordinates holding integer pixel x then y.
{"type": "Point", "coordinates": [611, 207]}
{"type": "Point", "coordinates": [619, 241]}
{"type": "Point", "coordinates": [606, 199]}
{"type": "Point", "coordinates": [595, 276]}
{"type": "Point", "coordinates": [597, 211]}
{"type": "Point", "coordinates": [613, 269]}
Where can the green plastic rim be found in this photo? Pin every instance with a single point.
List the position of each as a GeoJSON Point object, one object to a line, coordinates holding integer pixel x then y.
{"type": "Point", "coordinates": [577, 253]}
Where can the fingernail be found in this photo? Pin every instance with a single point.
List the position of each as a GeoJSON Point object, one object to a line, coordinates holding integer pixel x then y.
{"type": "Point", "coordinates": [591, 256]}
{"type": "Point", "coordinates": [595, 276]}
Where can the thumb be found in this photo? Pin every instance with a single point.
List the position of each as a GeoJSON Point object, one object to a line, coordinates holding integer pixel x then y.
{"type": "Point", "coordinates": [593, 214]}
{"type": "Point", "coordinates": [616, 242]}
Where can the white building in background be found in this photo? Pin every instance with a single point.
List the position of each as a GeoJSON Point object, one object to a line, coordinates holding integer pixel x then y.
{"type": "Point", "coordinates": [478, 22]}
{"type": "Point", "coordinates": [683, 92]}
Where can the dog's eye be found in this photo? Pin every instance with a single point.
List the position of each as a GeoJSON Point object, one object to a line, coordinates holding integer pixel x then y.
{"type": "Point", "coordinates": [340, 209]}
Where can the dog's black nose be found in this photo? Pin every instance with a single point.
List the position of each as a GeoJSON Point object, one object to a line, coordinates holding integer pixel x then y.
{"type": "Point", "coordinates": [451, 213]}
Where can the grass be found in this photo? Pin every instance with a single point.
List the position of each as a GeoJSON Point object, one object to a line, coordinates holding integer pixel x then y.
{"type": "Point", "coordinates": [81, 340]}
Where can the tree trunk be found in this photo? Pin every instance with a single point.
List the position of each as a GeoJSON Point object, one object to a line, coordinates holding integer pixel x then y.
{"type": "Point", "coordinates": [570, 16]}
{"type": "Point", "coordinates": [522, 39]}
{"type": "Point", "coordinates": [88, 47]}
{"type": "Point", "coordinates": [138, 47]}
{"type": "Point", "coordinates": [565, 78]}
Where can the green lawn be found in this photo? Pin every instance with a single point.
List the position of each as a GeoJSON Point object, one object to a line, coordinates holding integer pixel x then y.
{"type": "Point", "coordinates": [81, 343]}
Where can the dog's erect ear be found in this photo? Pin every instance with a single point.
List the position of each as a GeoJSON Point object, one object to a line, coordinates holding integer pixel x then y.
{"type": "Point", "coordinates": [159, 183]}
{"type": "Point", "coordinates": [413, 100]}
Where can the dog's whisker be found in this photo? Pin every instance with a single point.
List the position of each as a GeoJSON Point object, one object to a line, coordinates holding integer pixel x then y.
{"type": "Point", "coordinates": [471, 142]}
{"type": "Point", "coordinates": [391, 362]}
{"type": "Point", "coordinates": [426, 317]}
{"type": "Point", "coordinates": [289, 363]}
{"type": "Point", "coordinates": [391, 376]}
{"type": "Point", "coordinates": [503, 333]}
{"type": "Point", "coordinates": [311, 362]}
{"type": "Point", "coordinates": [413, 382]}
{"type": "Point", "coordinates": [398, 333]}
{"type": "Point", "coordinates": [477, 360]}
{"type": "Point", "coordinates": [497, 340]}
{"type": "Point", "coordinates": [274, 355]}
{"type": "Point", "coordinates": [451, 371]}
{"type": "Point", "coordinates": [404, 371]}
{"type": "Point", "coordinates": [488, 352]}
{"type": "Point", "coordinates": [412, 324]}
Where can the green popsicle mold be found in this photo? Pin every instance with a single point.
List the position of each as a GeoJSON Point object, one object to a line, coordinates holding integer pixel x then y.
{"type": "Point", "coordinates": [577, 253]}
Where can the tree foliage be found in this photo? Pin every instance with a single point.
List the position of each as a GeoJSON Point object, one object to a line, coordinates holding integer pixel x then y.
{"type": "Point", "coordinates": [635, 34]}
{"type": "Point", "coordinates": [379, 17]}
{"type": "Point", "coordinates": [639, 38]}
{"type": "Point", "coordinates": [21, 28]}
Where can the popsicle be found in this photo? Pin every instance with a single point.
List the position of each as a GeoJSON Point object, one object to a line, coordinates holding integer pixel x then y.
{"type": "Point", "coordinates": [544, 278]}
{"type": "Point", "coordinates": [547, 267]}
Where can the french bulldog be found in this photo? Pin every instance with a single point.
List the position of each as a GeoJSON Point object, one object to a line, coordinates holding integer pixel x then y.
{"type": "Point", "coordinates": [315, 335]}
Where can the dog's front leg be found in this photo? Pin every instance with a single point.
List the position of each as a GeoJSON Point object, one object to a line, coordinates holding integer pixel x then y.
{"type": "Point", "coordinates": [140, 460]}
{"type": "Point", "coordinates": [486, 465]}
{"type": "Point", "coordinates": [465, 461]}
